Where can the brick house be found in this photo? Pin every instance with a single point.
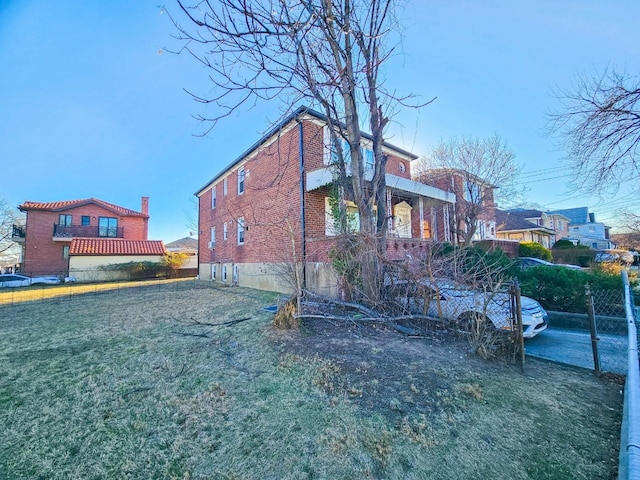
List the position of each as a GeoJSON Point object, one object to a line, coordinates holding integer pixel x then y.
{"type": "Point", "coordinates": [270, 208]}
{"type": "Point", "coordinates": [474, 198]}
{"type": "Point", "coordinates": [53, 229]}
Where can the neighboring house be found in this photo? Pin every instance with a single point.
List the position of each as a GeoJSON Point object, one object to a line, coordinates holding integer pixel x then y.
{"type": "Point", "coordinates": [271, 208]}
{"type": "Point", "coordinates": [52, 228]}
{"type": "Point", "coordinates": [552, 221]}
{"type": "Point", "coordinates": [474, 205]}
{"type": "Point", "coordinates": [518, 225]}
{"type": "Point", "coordinates": [188, 246]}
{"type": "Point", "coordinates": [584, 229]}
{"type": "Point", "coordinates": [93, 259]}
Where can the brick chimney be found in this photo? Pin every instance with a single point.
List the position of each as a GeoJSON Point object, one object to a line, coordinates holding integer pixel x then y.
{"type": "Point", "coordinates": [145, 205]}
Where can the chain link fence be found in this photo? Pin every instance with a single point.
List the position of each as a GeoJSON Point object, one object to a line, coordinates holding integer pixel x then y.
{"type": "Point", "coordinates": [609, 330]}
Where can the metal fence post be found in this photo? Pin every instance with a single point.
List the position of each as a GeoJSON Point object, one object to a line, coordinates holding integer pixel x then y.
{"type": "Point", "coordinates": [592, 328]}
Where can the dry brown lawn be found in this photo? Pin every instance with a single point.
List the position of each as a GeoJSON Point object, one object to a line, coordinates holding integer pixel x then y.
{"type": "Point", "coordinates": [128, 385]}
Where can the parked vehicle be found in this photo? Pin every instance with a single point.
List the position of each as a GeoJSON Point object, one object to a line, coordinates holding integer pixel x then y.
{"type": "Point", "coordinates": [17, 280]}
{"type": "Point", "coordinates": [529, 262]}
{"type": "Point", "coordinates": [458, 303]}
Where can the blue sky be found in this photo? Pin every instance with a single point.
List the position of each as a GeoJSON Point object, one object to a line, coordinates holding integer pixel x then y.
{"type": "Point", "coordinates": [91, 107]}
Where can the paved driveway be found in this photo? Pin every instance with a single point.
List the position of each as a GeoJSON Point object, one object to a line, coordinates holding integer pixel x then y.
{"type": "Point", "coordinates": [573, 347]}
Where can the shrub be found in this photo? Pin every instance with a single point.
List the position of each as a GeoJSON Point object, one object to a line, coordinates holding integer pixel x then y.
{"type": "Point", "coordinates": [535, 250]}
{"type": "Point", "coordinates": [563, 289]}
{"type": "Point", "coordinates": [172, 261]}
{"type": "Point", "coordinates": [566, 252]}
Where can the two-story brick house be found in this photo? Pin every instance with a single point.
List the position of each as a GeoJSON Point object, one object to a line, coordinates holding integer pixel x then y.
{"type": "Point", "coordinates": [474, 207]}
{"type": "Point", "coordinates": [271, 208]}
{"type": "Point", "coordinates": [53, 227]}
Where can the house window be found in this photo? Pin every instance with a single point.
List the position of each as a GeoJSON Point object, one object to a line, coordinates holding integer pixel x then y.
{"type": "Point", "coordinates": [241, 231]}
{"type": "Point", "coordinates": [214, 198]}
{"type": "Point", "coordinates": [472, 192]}
{"type": "Point", "coordinates": [213, 271]}
{"type": "Point", "coordinates": [367, 154]}
{"type": "Point", "coordinates": [592, 228]}
{"type": "Point", "coordinates": [212, 243]}
{"type": "Point", "coordinates": [64, 220]}
{"type": "Point", "coordinates": [576, 229]}
{"type": "Point", "coordinates": [332, 224]}
{"type": "Point", "coordinates": [224, 273]}
{"type": "Point", "coordinates": [107, 227]}
{"type": "Point", "coordinates": [240, 180]}
{"type": "Point", "coordinates": [86, 220]}
{"type": "Point", "coordinates": [225, 186]}
{"type": "Point", "coordinates": [65, 252]}
{"type": "Point", "coordinates": [224, 231]}
{"type": "Point", "coordinates": [235, 274]}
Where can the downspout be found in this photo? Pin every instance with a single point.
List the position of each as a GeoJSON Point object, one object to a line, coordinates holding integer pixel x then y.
{"type": "Point", "coordinates": [198, 232]}
{"type": "Point", "coordinates": [302, 208]}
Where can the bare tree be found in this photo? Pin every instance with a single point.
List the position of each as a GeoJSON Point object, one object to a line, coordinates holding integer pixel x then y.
{"type": "Point", "coordinates": [329, 53]}
{"type": "Point", "coordinates": [598, 125]}
{"type": "Point", "coordinates": [9, 216]}
{"type": "Point", "coordinates": [486, 173]}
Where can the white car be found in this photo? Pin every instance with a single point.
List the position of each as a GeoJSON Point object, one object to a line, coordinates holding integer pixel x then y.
{"type": "Point", "coordinates": [529, 262]}
{"type": "Point", "coordinates": [458, 303]}
{"type": "Point", "coordinates": [17, 280]}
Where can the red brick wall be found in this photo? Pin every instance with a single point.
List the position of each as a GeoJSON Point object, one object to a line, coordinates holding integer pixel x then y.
{"type": "Point", "coordinates": [44, 256]}
{"type": "Point", "coordinates": [270, 204]}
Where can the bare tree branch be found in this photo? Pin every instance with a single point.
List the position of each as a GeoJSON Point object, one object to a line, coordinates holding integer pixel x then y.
{"type": "Point", "coordinates": [598, 125]}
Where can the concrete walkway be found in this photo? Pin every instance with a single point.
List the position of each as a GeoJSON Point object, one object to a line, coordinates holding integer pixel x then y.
{"type": "Point", "coordinates": [573, 347]}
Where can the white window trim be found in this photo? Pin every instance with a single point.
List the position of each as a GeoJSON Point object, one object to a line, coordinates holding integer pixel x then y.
{"type": "Point", "coordinates": [240, 230]}
{"type": "Point", "coordinates": [225, 232]}
{"type": "Point", "coordinates": [214, 198]}
{"type": "Point", "coordinates": [241, 180]}
{"type": "Point", "coordinates": [224, 273]}
{"type": "Point", "coordinates": [213, 271]}
{"type": "Point", "coordinates": [225, 186]}
{"type": "Point", "coordinates": [213, 237]}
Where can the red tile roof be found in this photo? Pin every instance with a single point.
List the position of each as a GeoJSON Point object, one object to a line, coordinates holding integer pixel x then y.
{"type": "Point", "coordinates": [66, 204]}
{"type": "Point", "coordinates": [115, 246]}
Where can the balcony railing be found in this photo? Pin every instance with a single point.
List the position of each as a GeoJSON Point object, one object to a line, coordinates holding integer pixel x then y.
{"type": "Point", "coordinates": [62, 231]}
{"type": "Point", "coordinates": [19, 231]}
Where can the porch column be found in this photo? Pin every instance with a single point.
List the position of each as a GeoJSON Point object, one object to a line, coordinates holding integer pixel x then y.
{"type": "Point", "coordinates": [390, 212]}
{"type": "Point", "coordinates": [421, 204]}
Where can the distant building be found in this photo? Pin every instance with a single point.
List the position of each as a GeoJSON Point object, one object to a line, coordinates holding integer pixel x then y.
{"type": "Point", "coordinates": [57, 231]}
{"type": "Point", "coordinates": [188, 246]}
{"type": "Point", "coordinates": [584, 229]}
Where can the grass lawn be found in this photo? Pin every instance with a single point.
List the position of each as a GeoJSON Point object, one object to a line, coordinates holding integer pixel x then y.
{"type": "Point", "coordinates": [130, 386]}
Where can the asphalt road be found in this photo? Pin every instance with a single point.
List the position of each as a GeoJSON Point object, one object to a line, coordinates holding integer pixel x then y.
{"type": "Point", "coordinates": [573, 347]}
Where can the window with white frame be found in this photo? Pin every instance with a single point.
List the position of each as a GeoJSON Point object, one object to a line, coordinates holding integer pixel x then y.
{"type": "Point", "coordinates": [224, 273]}
{"type": "Point", "coordinates": [212, 243]}
{"type": "Point", "coordinates": [225, 186]}
{"type": "Point", "coordinates": [213, 271]}
{"type": "Point", "coordinates": [472, 192]}
{"type": "Point", "coordinates": [235, 274]}
{"type": "Point", "coordinates": [241, 231]}
{"type": "Point", "coordinates": [331, 156]}
{"type": "Point", "coordinates": [241, 180]}
{"type": "Point", "coordinates": [214, 198]}
{"type": "Point", "coordinates": [224, 231]}
{"type": "Point", "coordinates": [332, 224]}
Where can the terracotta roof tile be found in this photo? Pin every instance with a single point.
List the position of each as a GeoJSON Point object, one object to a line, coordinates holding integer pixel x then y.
{"type": "Point", "coordinates": [115, 246]}
{"type": "Point", "coordinates": [66, 204]}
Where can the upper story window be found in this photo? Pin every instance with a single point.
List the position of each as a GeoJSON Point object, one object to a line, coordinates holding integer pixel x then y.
{"type": "Point", "coordinates": [241, 231]}
{"type": "Point", "coordinates": [241, 176]}
{"type": "Point", "coordinates": [64, 220]}
{"type": "Point", "coordinates": [225, 186]}
{"type": "Point", "coordinates": [86, 220]}
{"type": "Point", "coordinates": [331, 152]}
{"type": "Point", "coordinates": [592, 228]}
{"type": "Point", "coordinates": [214, 198]}
{"type": "Point", "coordinates": [107, 227]}
{"type": "Point", "coordinates": [212, 243]}
{"type": "Point", "coordinates": [472, 192]}
{"type": "Point", "coordinates": [224, 231]}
